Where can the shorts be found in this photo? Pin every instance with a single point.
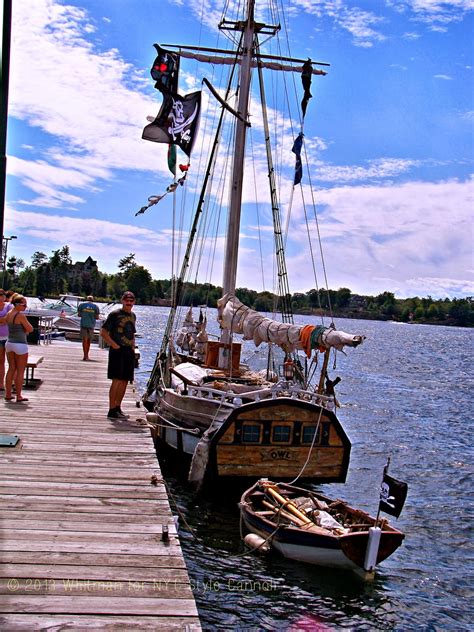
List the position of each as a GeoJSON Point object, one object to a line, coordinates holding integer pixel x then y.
{"type": "Point", "coordinates": [20, 348]}
{"type": "Point", "coordinates": [121, 364]}
{"type": "Point", "coordinates": [87, 333]}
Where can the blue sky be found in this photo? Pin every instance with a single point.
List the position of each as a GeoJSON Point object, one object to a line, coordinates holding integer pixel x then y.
{"type": "Point", "coordinates": [389, 137]}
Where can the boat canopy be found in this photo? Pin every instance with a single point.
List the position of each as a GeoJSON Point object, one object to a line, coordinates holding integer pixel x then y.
{"type": "Point", "coordinates": [240, 319]}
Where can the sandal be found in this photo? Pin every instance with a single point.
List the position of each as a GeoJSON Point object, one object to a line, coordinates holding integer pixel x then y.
{"type": "Point", "coordinates": [8, 399]}
{"type": "Point", "coordinates": [21, 400]}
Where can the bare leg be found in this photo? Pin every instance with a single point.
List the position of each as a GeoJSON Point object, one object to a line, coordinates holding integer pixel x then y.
{"type": "Point", "coordinates": [21, 361]}
{"type": "Point", "coordinates": [86, 345]}
{"type": "Point", "coordinates": [117, 392]}
{"type": "Point", "coordinates": [10, 374]}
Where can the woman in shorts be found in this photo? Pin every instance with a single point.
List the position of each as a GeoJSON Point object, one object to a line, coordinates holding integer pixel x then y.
{"type": "Point", "coordinates": [5, 307]}
{"type": "Point", "coordinates": [16, 348]}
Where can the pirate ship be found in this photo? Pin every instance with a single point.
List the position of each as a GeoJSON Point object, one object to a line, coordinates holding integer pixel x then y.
{"type": "Point", "coordinates": [231, 420]}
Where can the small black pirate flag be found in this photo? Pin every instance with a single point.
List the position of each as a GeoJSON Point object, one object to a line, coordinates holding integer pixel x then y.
{"type": "Point", "coordinates": [177, 121]}
{"type": "Point", "coordinates": [393, 494]}
{"type": "Point", "coordinates": [165, 70]}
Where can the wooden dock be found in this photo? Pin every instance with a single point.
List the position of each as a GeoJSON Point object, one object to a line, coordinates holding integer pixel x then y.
{"type": "Point", "coordinates": [82, 509]}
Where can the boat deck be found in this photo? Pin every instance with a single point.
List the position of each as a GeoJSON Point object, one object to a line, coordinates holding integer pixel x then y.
{"type": "Point", "coordinates": [83, 508]}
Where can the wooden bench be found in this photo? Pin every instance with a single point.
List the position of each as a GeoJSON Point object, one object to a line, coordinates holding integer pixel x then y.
{"type": "Point", "coordinates": [31, 365]}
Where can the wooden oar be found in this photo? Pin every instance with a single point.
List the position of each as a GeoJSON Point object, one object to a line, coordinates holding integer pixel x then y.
{"type": "Point", "coordinates": [288, 505]}
{"type": "Point", "coordinates": [307, 526]}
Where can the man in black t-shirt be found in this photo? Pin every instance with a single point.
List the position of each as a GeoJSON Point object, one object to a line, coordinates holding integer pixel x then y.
{"type": "Point", "coordinates": [118, 331]}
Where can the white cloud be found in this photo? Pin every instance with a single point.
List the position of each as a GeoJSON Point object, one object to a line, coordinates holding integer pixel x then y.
{"type": "Point", "coordinates": [92, 104]}
{"type": "Point", "coordinates": [391, 231]}
{"type": "Point", "coordinates": [104, 240]}
{"type": "Point", "coordinates": [443, 77]}
{"type": "Point", "coordinates": [437, 14]}
{"type": "Point", "coordinates": [376, 169]}
{"type": "Point", "coordinates": [48, 181]}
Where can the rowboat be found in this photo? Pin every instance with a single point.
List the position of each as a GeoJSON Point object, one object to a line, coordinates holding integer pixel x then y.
{"type": "Point", "coordinates": [306, 526]}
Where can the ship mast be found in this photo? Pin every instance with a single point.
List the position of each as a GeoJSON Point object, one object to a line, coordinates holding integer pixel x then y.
{"type": "Point", "coordinates": [248, 52]}
{"type": "Point", "coordinates": [233, 227]}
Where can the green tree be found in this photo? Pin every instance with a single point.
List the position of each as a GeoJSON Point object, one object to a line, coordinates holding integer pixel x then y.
{"type": "Point", "coordinates": [432, 312]}
{"type": "Point", "coordinates": [343, 297]}
{"type": "Point", "coordinates": [419, 313]}
{"type": "Point", "coordinates": [27, 281]}
{"type": "Point", "coordinates": [264, 302]}
{"type": "Point", "coordinates": [37, 259]}
{"type": "Point", "coordinates": [44, 280]}
{"type": "Point", "coordinates": [126, 264]}
{"type": "Point", "coordinates": [158, 290]}
{"type": "Point", "coordinates": [139, 281]}
{"type": "Point", "coordinates": [14, 266]}
{"type": "Point", "coordinates": [116, 286]}
{"type": "Point", "coordinates": [60, 262]}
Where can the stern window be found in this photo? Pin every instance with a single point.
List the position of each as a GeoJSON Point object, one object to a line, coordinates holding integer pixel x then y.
{"type": "Point", "coordinates": [281, 434]}
{"type": "Point", "coordinates": [251, 433]}
{"type": "Point", "coordinates": [308, 434]}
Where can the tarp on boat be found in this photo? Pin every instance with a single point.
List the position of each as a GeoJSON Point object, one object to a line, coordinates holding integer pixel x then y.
{"type": "Point", "coordinates": [240, 319]}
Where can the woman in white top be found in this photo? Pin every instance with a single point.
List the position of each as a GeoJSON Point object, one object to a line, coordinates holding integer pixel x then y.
{"type": "Point", "coordinates": [16, 348]}
{"type": "Point", "coordinates": [4, 309]}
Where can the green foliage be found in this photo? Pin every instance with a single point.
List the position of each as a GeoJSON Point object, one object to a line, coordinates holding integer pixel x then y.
{"type": "Point", "coordinates": [57, 275]}
{"type": "Point", "coordinates": [139, 281]}
{"type": "Point", "coordinates": [38, 258]}
{"type": "Point", "coordinates": [126, 264]}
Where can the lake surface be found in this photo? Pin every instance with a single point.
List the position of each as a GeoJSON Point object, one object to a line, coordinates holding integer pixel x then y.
{"type": "Point", "coordinates": [405, 393]}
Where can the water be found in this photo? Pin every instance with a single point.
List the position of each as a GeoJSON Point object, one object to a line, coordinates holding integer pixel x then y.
{"type": "Point", "coordinates": [406, 393]}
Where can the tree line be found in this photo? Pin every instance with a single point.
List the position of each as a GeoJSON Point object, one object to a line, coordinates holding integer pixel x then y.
{"type": "Point", "coordinates": [56, 274]}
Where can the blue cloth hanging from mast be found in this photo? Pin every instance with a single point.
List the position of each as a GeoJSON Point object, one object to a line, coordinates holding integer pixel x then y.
{"type": "Point", "coordinates": [296, 149]}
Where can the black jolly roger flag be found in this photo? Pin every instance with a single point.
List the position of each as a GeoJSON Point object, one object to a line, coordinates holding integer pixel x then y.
{"type": "Point", "coordinates": [296, 149]}
{"type": "Point", "coordinates": [177, 121]}
{"type": "Point", "coordinates": [164, 70]}
{"type": "Point", "coordinates": [393, 494]}
{"type": "Point", "coordinates": [306, 77]}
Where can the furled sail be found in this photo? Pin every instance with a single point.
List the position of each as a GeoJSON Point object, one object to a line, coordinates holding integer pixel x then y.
{"type": "Point", "coordinates": [231, 60]}
{"type": "Point", "coordinates": [240, 319]}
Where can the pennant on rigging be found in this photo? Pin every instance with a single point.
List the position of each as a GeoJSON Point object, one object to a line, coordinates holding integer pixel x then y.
{"type": "Point", "coordinates": [306, 77]}
{"type": "Point", "coordinates": [153, 199]}
{"type": "Point", "coordinates": [172, 159]}
{"type": "Point", "coordinates": [296, 149]}
{"type": "Point", "coordinates": [165, 70]}
{"type": "Point", "coordinates": [177, 121]}
{"type": "Point", "coordinates": [393, 494]}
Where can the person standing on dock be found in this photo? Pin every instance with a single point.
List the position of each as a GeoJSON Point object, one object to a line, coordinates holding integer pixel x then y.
{"type": "Point", "coordinates": [17, 348]}
{"type": "Point", "coordinates": [89, 313]}
{"type": "Point", "coordinates": [118, 331]}
{"type": "Point", "coordinates": [4, 309]}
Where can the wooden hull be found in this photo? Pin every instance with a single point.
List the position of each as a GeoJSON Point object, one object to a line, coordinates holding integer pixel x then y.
{"type": "Point", "coordinates": [318, 546]}
{"type": "Point", "coordinates": [272, 437]}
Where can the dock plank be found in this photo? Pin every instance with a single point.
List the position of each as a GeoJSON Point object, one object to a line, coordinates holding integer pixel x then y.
{"type": "Point", "coordinates": [83, 509]}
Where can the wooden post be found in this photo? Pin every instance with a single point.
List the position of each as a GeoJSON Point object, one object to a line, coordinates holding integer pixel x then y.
{"type": "Point", "coordinates": [323, 371]}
